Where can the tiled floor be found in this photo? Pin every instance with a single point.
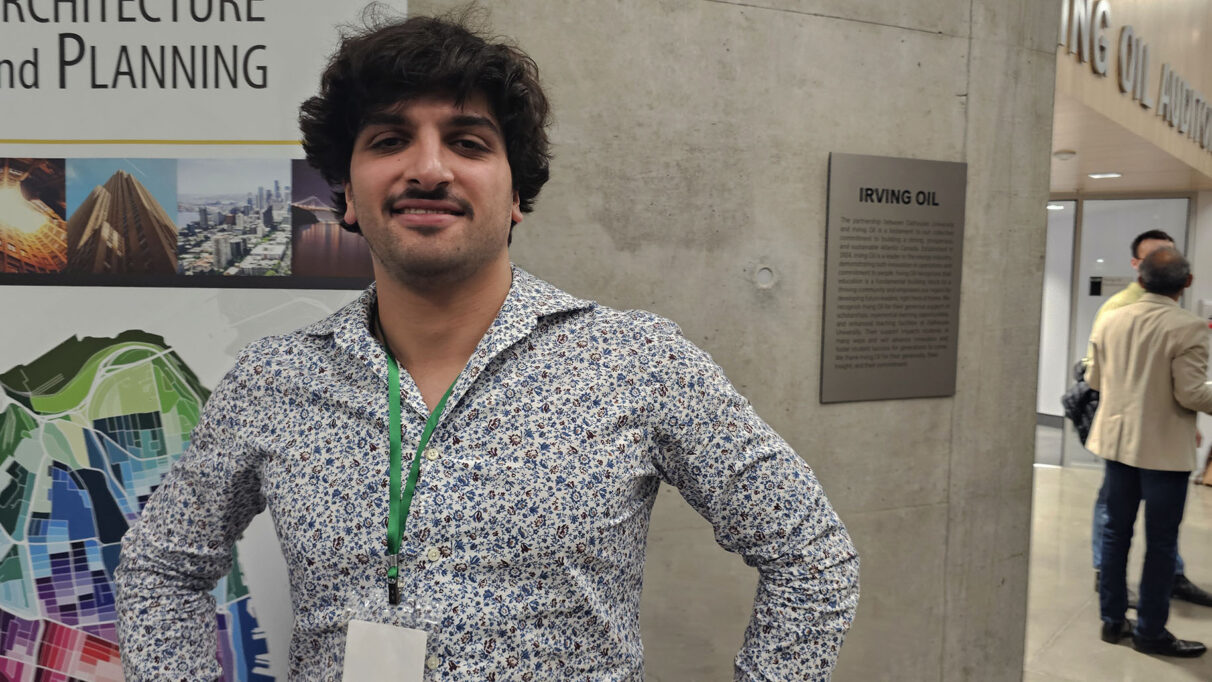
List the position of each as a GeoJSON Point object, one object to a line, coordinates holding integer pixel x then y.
{"type": "Point", "coordinates": [1063, 642]}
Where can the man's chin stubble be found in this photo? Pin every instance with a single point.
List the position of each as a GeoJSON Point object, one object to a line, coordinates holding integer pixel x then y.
{"type": "Point", "coordinates": [430, 273]}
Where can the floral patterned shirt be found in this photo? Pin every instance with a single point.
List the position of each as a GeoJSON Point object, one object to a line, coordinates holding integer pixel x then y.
{"type": "Point", "coordinates": [528, 526]}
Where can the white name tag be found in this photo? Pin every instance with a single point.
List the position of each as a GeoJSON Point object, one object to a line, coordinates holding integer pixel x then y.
{"type": "Point", "coordinates": [375, 652]}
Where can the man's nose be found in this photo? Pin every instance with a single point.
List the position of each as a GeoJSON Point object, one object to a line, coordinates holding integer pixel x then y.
{"type": "Point", "coordinates": [426, 166]}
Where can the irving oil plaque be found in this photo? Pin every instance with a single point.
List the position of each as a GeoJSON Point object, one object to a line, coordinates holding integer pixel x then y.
{"type": "Point", "coordinates": [893, 257]}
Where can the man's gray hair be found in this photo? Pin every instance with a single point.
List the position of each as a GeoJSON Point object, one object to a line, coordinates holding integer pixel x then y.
{"type": "Point", "coordinates": [1164, 271]}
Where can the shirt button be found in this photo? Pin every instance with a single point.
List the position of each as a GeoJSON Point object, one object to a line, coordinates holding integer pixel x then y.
{"type": "Point", "coordinates": [434, 554]}
{"type": "Point", "coordinates": [432, 663]}
{"type": "Point", "coordinates": [432, 453]}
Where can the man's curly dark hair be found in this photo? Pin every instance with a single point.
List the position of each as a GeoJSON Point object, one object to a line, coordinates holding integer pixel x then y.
{"type": "Point", "coordinates": [387, 62]}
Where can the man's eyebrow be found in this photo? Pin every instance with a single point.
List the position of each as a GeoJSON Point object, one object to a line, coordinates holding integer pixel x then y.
{"type": "Point", "coordinates": [384, 118]}
{"type": "Point", "coordinates": [388, 118]}
{"type": "Point", "coordinates": [474, 121]}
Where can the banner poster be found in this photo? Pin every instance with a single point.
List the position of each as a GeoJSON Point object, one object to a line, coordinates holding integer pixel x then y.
{"type": "Point", "coordinates": [154, 143]}
{"type": "Point", "coordinates": [156, 216]}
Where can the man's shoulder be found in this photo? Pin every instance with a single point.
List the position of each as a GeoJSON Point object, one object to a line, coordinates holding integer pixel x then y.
{"type": "Point", "coordinates": [1181, 320]}
{"type": "Point", "coordinates": [1126, 296]}
{"type": "Point", "coordinates": [646, 336]}
{"type": "Point", "coordinates": [559, 309]}
{"type": "Point", "coordinates": [605, 317]}
{"type": "Point", "coordinates": [1155, 312]}
{"type": "Point", "coordinates": [1121, 299]}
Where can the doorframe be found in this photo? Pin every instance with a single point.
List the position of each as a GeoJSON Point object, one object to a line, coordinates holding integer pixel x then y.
{"type": "Point", "coordinates": [1080, 198]}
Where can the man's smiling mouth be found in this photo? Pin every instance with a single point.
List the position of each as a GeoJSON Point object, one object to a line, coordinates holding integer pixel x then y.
{"type": "Point", "coordinates": [412, 206]}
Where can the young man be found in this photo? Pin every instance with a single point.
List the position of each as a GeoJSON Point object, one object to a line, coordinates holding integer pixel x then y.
{"type": "Point", "coordinates": [1145, 243]}
{"type": "Point", "coordinates": [465, 435]}
{"type": "Point", "coordinates": [1149, 362]}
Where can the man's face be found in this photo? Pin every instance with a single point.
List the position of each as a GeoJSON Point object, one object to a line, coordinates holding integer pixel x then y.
{"type": "Point", "coordinates": [1147, 247]}
{"type": "Point", "coordinates": [431, 189]}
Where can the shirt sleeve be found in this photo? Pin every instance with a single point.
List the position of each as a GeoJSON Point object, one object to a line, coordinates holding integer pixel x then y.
{"type": "Point", "coordinates": [1189, 370]}
{"type": "Point", "coordinates": [173, 556]}
{"type": "Point", "coordinates": [765, 504]}
{"type": "Point", "coordinates": [1094, 369]}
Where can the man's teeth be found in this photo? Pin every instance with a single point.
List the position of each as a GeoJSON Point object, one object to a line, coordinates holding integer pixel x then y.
{"type": "Point", "coordinates": [424, 211]}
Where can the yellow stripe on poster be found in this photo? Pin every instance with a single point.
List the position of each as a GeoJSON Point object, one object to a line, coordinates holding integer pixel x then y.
{"type": "Point", "coordinates": [195, 142]}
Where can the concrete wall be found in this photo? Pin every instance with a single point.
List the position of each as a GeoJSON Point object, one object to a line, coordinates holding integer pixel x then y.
{"type": "Point", "coordinates": [692, 142]}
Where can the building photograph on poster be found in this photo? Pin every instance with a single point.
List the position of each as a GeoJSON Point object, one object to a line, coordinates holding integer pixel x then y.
{"type": "Point", "coordinates": [33, 232]}
{"type": "Point", "coordinates": [322, 248]}
{"type": "Point", "coordinates": [118, 220]}
{"type": "Point", "coordinates": [174, 222]}
{"type": "Point", "coordinates": [233, 217]}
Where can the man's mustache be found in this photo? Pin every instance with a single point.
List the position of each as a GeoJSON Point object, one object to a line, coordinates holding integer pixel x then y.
{"type": "Point", "coordinates": [437, 194]}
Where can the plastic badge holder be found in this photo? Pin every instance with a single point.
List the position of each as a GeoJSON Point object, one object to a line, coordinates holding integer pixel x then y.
{"type": "Point", "coordinates": [387, 641]}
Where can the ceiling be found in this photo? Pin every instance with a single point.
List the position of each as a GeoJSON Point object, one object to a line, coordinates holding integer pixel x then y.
{"type": "Point", "coordinates": [1103, 146]}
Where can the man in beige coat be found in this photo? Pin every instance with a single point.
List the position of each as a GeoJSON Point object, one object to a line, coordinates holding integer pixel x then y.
{"type": "Point", "coordinates": [1149, 363]}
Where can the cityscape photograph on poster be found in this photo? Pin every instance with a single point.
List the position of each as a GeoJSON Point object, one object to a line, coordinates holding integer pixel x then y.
{"type": "Point", "coordinates": [322, 248]}
{"type": "Point", "coordinates": [233, 217]}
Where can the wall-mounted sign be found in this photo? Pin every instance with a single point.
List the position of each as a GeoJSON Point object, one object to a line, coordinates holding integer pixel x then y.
{"type": "Point", "coordinates": [156, 144]}
{"type": "Point", "coordinates": [230, 70]}
{"type": "Point", "coordinates": [893, 256]}
{"type": "Point", "coordinates": [1084, 29]}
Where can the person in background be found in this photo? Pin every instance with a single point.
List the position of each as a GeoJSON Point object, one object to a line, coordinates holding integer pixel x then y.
{"type": "Point", "coordinates": [1144, 244]}
{"type": "Point", "coordinates": [1149, 362]}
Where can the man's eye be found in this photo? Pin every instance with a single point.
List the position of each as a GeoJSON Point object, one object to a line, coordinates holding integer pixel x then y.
{"type": "Point", "coordinates": [468, 144]}
{"type": "Point", "coordinates": [387, 142]}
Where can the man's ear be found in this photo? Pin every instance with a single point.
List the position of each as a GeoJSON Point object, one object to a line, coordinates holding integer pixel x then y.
{"type": "Point", "coordinates": [515, 214]}
{"type": "Point", "coordinates": [1190, 278]}
{"type": "Point", "coordinates": [351, 216]}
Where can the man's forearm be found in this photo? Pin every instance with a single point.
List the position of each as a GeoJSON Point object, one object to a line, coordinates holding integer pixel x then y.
{"type": "Point", "coordinates": [803, 608]}
{"type": "Point", "coordinates": [166, 620]}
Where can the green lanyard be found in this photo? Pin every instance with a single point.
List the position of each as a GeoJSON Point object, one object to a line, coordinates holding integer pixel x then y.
{"type": "Point", "coordinates": [399, 504]}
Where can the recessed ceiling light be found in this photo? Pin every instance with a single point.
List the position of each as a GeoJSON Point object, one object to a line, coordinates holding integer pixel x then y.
{"type": "Point", "coordinates": [1063, 154]}
{"type": "Point", "coordinates": [1100, 260]}
{"type": "Point", "coordinates": [1056, 207]}
{"type": "Point", "coordinates": [1103, 176]}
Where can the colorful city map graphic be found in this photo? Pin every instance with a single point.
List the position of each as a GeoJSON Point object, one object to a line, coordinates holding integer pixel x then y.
{"type": "Point", "coordinates": [87, 432]}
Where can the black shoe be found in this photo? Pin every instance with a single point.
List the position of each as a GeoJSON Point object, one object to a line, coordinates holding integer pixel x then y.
{"type": "Point", "coordinates": [1168, 645]}
{"type": "Point", "coordinates": [1114, 632]}
{"type": "Point", "coordinates": [1186, 590]}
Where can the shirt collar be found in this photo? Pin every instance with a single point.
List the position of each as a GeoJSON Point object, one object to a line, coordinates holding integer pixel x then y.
{"type": "Point", "coordinates": [529, 298]}
{"type": "Point", "coordinates": [1158, 298]}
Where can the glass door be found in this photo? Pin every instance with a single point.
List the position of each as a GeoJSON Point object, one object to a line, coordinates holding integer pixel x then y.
{"type": "Point", "coordinates": [1053, 377]}
{"type": "Point", "coordinates": [1104, 267]}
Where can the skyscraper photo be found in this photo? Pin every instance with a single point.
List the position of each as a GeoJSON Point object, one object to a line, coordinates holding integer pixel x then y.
{"type": "Point", "coordinates": [120, 225]}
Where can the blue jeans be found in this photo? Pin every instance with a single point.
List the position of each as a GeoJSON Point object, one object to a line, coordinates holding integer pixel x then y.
{"type": "Point", "coordinates": [1164, 494]}
{"type": "Point", "coordinates": [1100, 522]}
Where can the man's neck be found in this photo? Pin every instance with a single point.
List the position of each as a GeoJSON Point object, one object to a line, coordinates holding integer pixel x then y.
{"type": "Point", "coordinates": [432, 332]}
